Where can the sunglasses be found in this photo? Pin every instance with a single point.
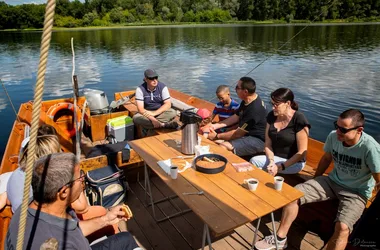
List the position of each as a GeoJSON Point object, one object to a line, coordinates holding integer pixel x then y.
{"type": "Point", "coordinates": [344, 130]}
{"type": "Point", "coordinates": [237, 87]}
{"type": "Point", "coordinates": [152, 78]}
{"type": "Point", "coordinates": [81, 178]}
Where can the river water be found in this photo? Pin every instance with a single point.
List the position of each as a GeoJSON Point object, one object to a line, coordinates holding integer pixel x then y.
{"type": "Point", "coordinates": [330, 68]}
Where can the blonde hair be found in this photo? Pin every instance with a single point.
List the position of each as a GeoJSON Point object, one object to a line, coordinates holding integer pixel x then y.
{"type": "Point", "coordinates": [46, 144]}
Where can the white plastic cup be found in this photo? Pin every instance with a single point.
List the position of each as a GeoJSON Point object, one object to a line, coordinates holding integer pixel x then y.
{"type": "Point", "coordinates": [278, 181]}
{"type": "Point", "coordinates": [252, 183]}
{"type": "Point", "coordinates": [174, 172]}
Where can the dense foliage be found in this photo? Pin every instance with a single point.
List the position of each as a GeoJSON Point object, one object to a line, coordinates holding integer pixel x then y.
{"type": "Point", "coordinates": [107, 12]}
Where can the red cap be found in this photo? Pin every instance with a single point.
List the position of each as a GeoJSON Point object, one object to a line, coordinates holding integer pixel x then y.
{"type": "Point", "coordinates": [204, 113]}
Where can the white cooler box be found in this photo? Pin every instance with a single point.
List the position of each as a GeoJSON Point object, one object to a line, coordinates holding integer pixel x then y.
{"type": "Point", "coordinates": [122, 128]}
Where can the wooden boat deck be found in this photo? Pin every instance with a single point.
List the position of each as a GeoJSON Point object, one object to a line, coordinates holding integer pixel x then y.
{"type": "Point", "coordinates": [185, 232]}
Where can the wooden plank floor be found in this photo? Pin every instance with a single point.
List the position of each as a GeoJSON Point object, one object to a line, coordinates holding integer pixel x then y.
{"type": "Point", "coordinates": [185, 232]}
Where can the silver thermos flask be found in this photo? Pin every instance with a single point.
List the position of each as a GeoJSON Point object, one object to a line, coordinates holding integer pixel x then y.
{"type": "Point", "coordinates": [190, 125]}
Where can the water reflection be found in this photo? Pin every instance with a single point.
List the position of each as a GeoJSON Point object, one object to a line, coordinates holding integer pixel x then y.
{"type": "Point", "coordinates": [330, 68]}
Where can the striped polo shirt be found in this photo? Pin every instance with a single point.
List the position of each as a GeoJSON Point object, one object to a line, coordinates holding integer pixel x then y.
{"type": "Point", "coordinates": [225, 112]}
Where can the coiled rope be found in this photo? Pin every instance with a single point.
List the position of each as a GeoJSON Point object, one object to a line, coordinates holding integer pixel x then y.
{"type": "Point", "coordinates": [38, 92]}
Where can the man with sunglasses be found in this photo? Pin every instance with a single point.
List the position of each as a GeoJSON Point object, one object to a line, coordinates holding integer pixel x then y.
{"type": "Point", "coordinates": [356, 157]}
{"type": "Point", "coordinates": [153, 103]}
{"type": "Point", "coordinates": [57, 182]}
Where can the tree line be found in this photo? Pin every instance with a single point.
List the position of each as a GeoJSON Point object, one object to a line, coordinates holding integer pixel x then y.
{"type": "Point", "coordinates": [108, 12]}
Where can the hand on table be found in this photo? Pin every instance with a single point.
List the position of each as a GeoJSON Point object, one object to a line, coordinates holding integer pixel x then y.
{"type": "Point", "coordinates": [272, 169]}
{"type": "Point", "coordinates": [212, 134]}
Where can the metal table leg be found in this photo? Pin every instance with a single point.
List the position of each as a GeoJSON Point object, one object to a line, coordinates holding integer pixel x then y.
{"type": "Point", "coordinates": [274, 230]}
{"type": "Point", "coordinates": [148, 192]}
{"type": "Point", "coordinates": [256, 232]}
{"type": "Point", "coordinates": [206, 233]}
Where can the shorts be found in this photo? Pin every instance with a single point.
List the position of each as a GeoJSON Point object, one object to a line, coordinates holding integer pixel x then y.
{"type": "Point", "coordinates": [247, 145]}
{"type": "Point", "coordinates": [322, 188]}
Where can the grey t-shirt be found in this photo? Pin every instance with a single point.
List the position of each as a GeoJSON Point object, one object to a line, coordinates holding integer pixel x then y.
{"type": "Point", "coordinates": [41, 226]}
{"type": "Point", "coordinates": [15, 188]}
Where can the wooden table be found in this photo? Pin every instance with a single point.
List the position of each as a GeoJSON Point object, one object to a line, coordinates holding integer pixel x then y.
{"type": "Point", "coordinates": [226, 203]}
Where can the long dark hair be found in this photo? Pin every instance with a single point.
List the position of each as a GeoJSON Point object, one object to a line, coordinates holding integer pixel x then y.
{"type": "Point", "coordinates": [284, 95]}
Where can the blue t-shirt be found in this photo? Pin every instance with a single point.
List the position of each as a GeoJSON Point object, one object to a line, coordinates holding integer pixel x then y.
{"type": "Point", "coordinates": [225, 112]}
{"type": "Point", "coordinates": [353, 166]}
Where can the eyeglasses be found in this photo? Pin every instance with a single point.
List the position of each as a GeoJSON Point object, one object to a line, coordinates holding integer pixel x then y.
{"type": "Point", "coordinates": [152, 78]}
{"type": "Point", "coordinates": [81, 178]}
{"type": "Point", "coordinates": [344, 130]}
{"type": "Point", "coordinates": [276, 104]}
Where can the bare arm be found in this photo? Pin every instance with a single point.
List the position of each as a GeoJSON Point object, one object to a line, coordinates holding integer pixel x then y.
{"type": "Point", "coordinates": [167, 105]}
{"type": "Point", "coordinates": [302, 139]}
{"type": "Point", "coordinates": [323, 164]}
{"type": "Point", "coordinates": [80, 205]}
{"type": "Point", "coordinates": [227, 122]}
{"type": "Point", "coordinates": [268, 146]}
{"type": "Point", "coordinates": [147, 114]}
{"type": "Point", "coordinates": [113, 216]}
{"type": "Point", "coordinates": [376, 176]}
{"type": "Point", "coordinates": [140, 107]}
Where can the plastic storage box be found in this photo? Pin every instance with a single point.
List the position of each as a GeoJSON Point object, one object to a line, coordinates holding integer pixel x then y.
{"type": "Point", "coordinates": [121, 128]}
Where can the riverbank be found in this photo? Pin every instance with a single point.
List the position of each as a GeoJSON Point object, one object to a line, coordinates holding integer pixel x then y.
{"type": "Point", "coordinates": [225, 24]}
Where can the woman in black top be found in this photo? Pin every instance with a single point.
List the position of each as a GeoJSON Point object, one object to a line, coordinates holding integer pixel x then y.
{"type": "Point", "coordinates": [286, 136]}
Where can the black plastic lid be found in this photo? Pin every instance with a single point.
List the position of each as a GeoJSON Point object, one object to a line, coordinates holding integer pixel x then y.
{"type": "Point", "coordinates": [189, 117]}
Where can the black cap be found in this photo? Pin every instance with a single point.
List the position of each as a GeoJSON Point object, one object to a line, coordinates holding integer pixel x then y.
{"type": "Point", "coordinates": [150, 73]}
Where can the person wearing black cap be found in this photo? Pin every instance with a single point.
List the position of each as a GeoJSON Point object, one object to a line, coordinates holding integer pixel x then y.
{"type": "Point", "coordinates": [153, 104]}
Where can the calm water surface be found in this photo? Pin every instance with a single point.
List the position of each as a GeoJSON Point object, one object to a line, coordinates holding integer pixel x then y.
{"type": "Point", "coordinates": [330, 68]}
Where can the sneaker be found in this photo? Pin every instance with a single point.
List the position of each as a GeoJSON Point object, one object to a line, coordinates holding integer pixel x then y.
{"type": "Point", "coordinates": [171, 125]}
{"type": "Point", "coordinates": [269, 243]}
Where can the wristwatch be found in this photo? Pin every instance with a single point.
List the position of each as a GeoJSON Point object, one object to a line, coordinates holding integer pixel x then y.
{"type": "Point", "coordinates": [282, 166]}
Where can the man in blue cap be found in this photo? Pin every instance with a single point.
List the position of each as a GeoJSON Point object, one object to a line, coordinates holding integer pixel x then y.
{"type": "Point", "coordinates": [153, 103]}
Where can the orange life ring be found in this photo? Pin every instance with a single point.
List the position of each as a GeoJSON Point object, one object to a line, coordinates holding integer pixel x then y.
{"type": "Point", "coordinates": [53, 110]}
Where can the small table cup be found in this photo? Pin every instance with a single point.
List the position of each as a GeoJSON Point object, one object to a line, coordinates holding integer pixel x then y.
{"type": "Point", "coordinates": [174, 172]}
{"type": "Point", "coordinates": [278, 181]}
{"type": "Point", "coordinates": [252, 183]}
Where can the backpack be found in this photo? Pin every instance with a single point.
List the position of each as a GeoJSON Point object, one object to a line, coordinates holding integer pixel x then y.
{"type": "Point", "coordinates": [106, 186]}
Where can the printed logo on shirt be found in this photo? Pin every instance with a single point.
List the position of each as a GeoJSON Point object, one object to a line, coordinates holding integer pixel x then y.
{"type": "Point", "coordinates": [347, 164]}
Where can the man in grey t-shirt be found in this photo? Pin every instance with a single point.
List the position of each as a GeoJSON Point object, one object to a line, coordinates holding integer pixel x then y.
{"type": "Point", "coordinates": [57, 182]}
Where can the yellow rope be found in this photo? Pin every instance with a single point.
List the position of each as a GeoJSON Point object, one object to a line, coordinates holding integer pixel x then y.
{"type": "Point", "coordinates": [38, 92]}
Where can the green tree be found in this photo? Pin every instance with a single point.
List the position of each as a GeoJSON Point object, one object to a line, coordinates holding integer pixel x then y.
{"type": "Point", "coordinates": [189, 16]}
{"type": "Point", "coordinates": [232, 6]}
{"type": "Point", "coordinates": [245, 10]}
{"type": "Point", "coordinates": [145, 11]}
{"type": "Point", "coordinates": [117, 15]}
{"type": "Point", "coordinates": [126, 4]}
{"type": "Point", "coordinates": [89, 18]}
{"type": "Point", "coordinates": [129, 17]}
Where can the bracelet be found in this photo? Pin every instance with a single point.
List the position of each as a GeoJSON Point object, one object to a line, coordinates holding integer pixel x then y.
{"type": "Point", "coordinates": [216, 136]}
{"type": "Point", "coordinates": [283, 166]}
